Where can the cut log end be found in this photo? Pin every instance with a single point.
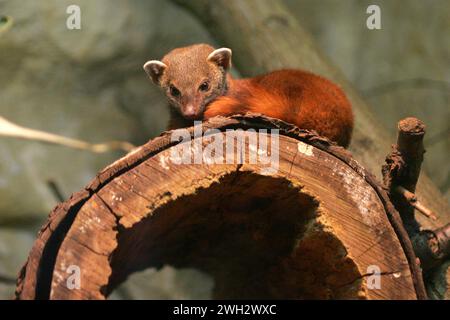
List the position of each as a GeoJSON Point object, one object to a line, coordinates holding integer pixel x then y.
{"type": "Point", "coordinates": [316, 228]}
{"type": "Point", "coordinates": [411, 126]}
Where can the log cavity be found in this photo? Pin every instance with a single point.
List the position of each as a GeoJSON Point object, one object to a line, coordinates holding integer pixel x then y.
{"type": "Point", "coordinates": [259, 237]}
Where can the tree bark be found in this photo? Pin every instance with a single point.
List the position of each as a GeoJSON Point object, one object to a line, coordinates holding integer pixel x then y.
{"type": "Point", "coordinates": [402, 169]}
{"type": "Point", "coordinates": [265, 37]}
{"type": "Point", "coordinates": [317, 227]}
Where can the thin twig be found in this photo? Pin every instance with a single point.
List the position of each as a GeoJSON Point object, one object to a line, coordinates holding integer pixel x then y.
{"type": "Point", "coordinates": [413, 201]}
{"type": "Point", "coordinates": [10, 129]}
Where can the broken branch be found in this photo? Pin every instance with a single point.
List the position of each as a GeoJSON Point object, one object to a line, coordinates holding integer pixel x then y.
{"type": "Point", "coordinates": [9, 129]}
{"type": "Point", "coordinates": [402, 169]}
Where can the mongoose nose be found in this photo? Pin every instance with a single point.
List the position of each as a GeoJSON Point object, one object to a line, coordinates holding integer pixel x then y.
{"type": "Point", "coordinates": [189, 111]}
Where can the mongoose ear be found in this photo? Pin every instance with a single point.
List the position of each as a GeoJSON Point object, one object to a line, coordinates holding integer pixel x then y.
{"type": "Point", "coordinates": [221, 57]}
{"type": "Point", "coordinates": [155, 70]}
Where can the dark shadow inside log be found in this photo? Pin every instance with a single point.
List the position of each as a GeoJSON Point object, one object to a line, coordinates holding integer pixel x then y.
{"type": "Point", "coordinates": [257, 236]}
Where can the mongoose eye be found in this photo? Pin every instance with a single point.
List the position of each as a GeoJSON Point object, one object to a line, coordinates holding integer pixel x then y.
{"type": "Point", "coordinates": [204, 86]}
{"type": "Point", "coordinates": [174, 91]}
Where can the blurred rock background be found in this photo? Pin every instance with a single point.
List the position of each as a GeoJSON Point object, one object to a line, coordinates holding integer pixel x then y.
{"type": "Point", "coordinates": [89, 84]}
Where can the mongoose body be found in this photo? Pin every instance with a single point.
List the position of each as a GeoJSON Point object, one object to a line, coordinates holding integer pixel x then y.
{"type": "Point", "coordinates": [198, 87]}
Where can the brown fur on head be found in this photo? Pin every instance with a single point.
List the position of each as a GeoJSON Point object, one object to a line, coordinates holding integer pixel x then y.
{"type": "Point", "coordinates": [191, 77]}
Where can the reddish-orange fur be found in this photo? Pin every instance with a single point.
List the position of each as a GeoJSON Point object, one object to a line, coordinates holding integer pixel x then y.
{"type": "Point", "coordinates": [198, 86]}
{"type": "Point", "coordinates": [298, 97]}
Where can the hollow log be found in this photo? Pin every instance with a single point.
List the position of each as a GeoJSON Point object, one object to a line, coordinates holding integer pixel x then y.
{"type": "Point", "coordinates": [315, 226]}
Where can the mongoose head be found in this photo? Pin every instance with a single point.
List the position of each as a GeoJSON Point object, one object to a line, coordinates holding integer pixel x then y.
{"type": "Point", "coordinates": [191, 77]}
